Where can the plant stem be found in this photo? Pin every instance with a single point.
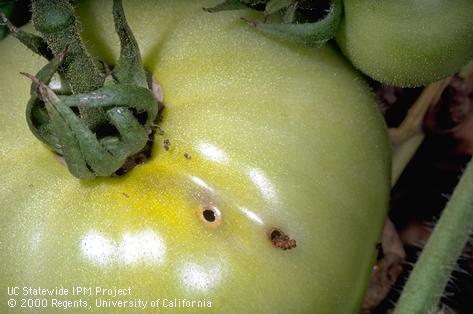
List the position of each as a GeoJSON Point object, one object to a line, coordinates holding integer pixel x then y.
{"type": "Point", "coordinates": [402, 155]}
{"type": "Point", "coordinates": [432, 271]}
{"type": "Point", "coordinates": [56, 21]}
{"type": "Point", "coordinates": [407, 138]}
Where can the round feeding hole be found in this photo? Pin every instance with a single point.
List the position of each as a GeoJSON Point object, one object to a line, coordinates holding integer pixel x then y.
{"type": "Point", "coordinates": [210, 215]}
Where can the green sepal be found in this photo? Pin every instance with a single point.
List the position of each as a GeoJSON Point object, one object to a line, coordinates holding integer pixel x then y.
{"type": "Point", "coordinates": [68, 143]}
{"type": "Point", "coordinates": [106, 156]}
{"type": "Point", "coordinates": [123, 95]}
{"type": "Point", "coordinates": [129, 68]}
{"type": "Point", "coordinates": [65, 132]}
{"type": "Point", "coordinates": [309, 34]}
{"type": "Point", "coordinates": [80, 141]}
{"type": "Point", "coordinates": [133, 137]}
{"type": "Point", "coordinates": [85, 155]}
{"type": "Point", "coordinates": [36, 113]}
{"type": "Point", "coordinates": [70, 146]}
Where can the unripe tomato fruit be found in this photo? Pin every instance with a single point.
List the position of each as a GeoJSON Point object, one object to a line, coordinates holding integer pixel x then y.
{"type": "Point", "coordinates": [279, 136]}
{"type": "Point", "coordinates": [407, 42]}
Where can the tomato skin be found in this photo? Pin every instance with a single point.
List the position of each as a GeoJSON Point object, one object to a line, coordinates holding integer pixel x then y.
{"type": "Point", "coordinates": [407, 42]}
{"type": "Point", "coordinates": [279, 136]}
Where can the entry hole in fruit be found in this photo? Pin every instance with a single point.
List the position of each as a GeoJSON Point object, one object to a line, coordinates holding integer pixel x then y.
{"type": "Point", "coordinates": [281, 240]}
{"type": "Point", "coordinates": [209, 215]}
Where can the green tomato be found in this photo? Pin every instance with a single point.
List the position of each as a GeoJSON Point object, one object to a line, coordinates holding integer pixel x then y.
{"type": "Point", "coordinates": [407, 42]}
{"type": "Point", "coordinates": [280, 137]}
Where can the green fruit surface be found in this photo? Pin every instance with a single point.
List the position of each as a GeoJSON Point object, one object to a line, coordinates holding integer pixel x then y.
{"type": "Point", "coordinates": [280, 136]}
{"type": "Point", "coordinates": [407, 42]}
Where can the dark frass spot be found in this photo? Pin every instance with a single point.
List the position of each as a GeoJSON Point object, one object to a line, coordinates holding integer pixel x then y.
{"type": "Point", "coordinates": [166, 144]}
{"type": "Point", "coordinates": [187, 155]}
{"type": "Point", "coordinates": [281, 240]}
{"type": "Point", "coordinates": [210, 215]}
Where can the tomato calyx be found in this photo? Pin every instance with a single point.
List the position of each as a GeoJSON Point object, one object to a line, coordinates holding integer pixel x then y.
{"type": "Point", "coordinates": [288, 26]}
{"type": "Point", "coordinates": [101, 121]}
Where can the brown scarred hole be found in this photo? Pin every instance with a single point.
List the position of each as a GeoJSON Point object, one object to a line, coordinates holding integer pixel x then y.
{"type": "Point", "coordinates": [281, 240]}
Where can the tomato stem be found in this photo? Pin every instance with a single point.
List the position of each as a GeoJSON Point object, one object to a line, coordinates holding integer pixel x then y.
{"type": "Point", "coordinates": [432, 271]}
{"type": "Point", "coordinates": [407, 138]}
{"type": "Point", "coordinates": [57, 23]}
